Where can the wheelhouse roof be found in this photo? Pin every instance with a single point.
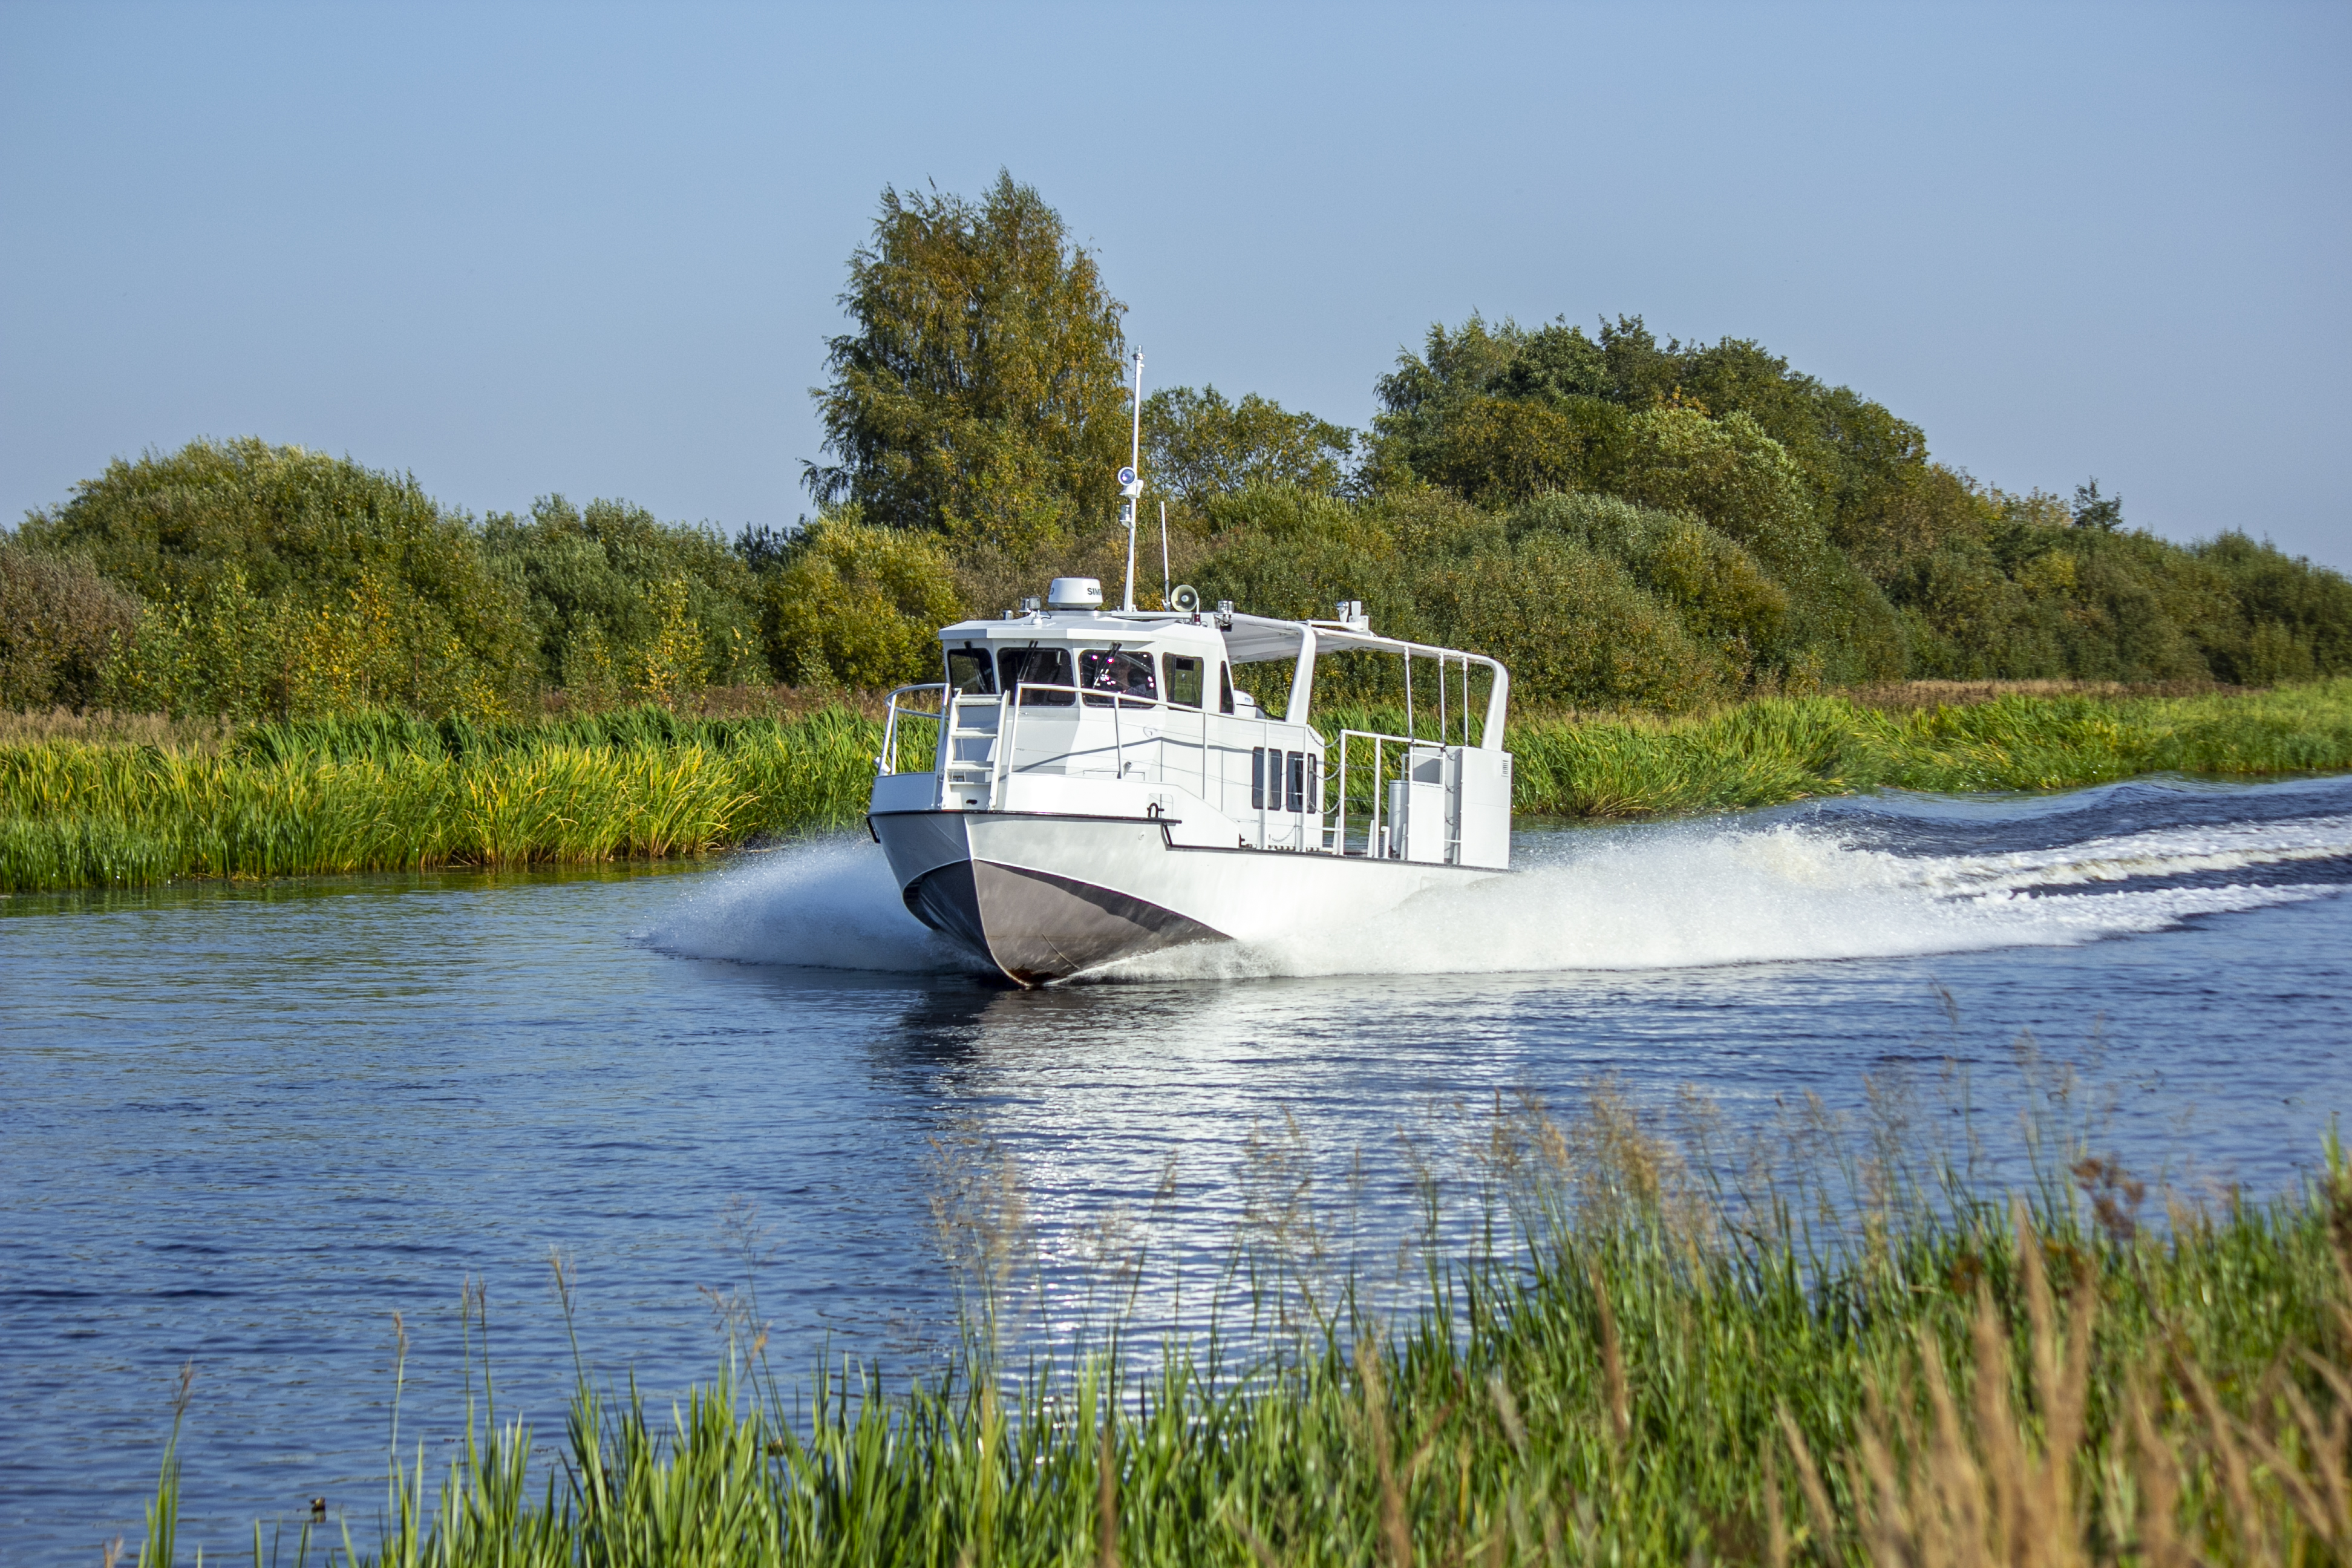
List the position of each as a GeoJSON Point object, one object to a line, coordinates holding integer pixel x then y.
{"type": "Point", "coordinates": [1255, 639]}
{"type": "Point", "coordinates": [1248, 639]}
{"type": "Point", "coordinates": [1082, 626]}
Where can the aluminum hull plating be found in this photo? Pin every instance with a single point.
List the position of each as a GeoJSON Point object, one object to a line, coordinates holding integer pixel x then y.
{"type": "Point", "coordinates": [1044, 897]}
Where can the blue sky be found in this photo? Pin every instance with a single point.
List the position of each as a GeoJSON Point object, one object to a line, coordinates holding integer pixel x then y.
{"type": "Point", "coordinates": [518, 250]}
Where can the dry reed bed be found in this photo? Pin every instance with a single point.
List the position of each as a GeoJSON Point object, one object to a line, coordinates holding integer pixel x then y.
{"type": "Point", "coordinates": [98, 805]}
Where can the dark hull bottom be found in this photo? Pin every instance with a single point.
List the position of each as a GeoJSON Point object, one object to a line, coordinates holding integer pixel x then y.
{"type": "Point", "coordinates": [1037, 927]}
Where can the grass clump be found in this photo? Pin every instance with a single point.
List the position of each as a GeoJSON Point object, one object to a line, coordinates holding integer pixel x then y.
{"type": "Point", "coordinates": [1657, 1365]}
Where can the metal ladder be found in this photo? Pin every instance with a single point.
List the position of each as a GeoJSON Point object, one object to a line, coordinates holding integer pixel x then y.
{"type": "Point", "coordinates": [958, 773]}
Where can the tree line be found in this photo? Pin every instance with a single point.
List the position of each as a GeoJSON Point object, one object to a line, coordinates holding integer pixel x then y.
{"type": "Point", "coordinates": [1624, 520]}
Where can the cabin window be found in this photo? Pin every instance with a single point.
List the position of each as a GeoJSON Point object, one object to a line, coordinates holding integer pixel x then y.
{"type": "Point", "coordinates": [1314, 790]}
{"type": "Point", "coordinates": [1257, 777]}
{"type": "Point", "coordinates": [1116, 671]}
{"type": "Point", "coordinates": [1224, 687]}
{"type": "Point", "coordinates": [1036, 667]}
{"type": "Point", "coordinates": [1184, 680]}
{"type": "Point", "coordinates": [970, 671]}
{"type": "Point", "coordinates": [1298, 781]}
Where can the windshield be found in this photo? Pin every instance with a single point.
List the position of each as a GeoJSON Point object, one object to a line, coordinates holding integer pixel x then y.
{"type": "Point", "coordinates": [1037, 667]}
{"type": "Point", "coordinates": [970, 672]}
{"type": "Point", "coordinates": [1113, 670]}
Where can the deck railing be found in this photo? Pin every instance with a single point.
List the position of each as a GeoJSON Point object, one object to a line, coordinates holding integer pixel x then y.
{"type": "Point", "coordinates": [1326, 831]}
{"type": "Point", "coordinates": [1377, 828]}
{"type": "Point", "coordinates": [1009, 731]}
{"type": "Point", "coordinates": [886, 762]}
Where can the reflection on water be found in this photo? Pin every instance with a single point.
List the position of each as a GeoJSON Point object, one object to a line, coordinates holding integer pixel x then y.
{"type": "Point", "coordinates": [245, 1126]}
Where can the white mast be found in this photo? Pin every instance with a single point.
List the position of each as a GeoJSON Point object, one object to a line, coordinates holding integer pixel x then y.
{"type": "Point", "coordinates": [1131, 483]}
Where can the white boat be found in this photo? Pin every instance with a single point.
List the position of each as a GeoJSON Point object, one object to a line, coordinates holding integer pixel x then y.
{"type": "Point", "coordinates": [1099, 786]}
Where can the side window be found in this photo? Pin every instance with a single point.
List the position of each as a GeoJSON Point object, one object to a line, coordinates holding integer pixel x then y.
{"type": "Point", "coordinates": [1257, 777]}
{"type": "Point", "coordinates": [970, 671]}
{"type": "Point", "coordinates": [1112, 671]}
{"type": "Point", "coordinates": [1298, 781]}
{"type": "Point", "coordinates": [1224, 687]}
{"type": "Point", "coordinates": [1314, 785]}
{"type": "Point", "coordinates": [1040, 667]}
{"type": "Point", "coordinates": [1184, 680]}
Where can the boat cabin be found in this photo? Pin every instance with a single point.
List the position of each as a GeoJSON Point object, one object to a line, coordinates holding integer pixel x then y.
{"type": "Point", "coordinates": [1065, 708]}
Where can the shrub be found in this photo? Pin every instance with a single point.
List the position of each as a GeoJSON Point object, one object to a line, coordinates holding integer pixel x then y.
{"type": "Point", "coordinates": [60, 623]}
{"type": "Point", "coordinates": [1565, 619]}
{"type": "Point", "coordinates": [278, 580]}
{"type": "Point", "coordinates": [1721, 592]}
{"type": "Point", "coordinates": [2306, 609]}
{"type": "Point", "coordinates": [859, 605]}
{"type": "Point", "coordinates": [623, 604]}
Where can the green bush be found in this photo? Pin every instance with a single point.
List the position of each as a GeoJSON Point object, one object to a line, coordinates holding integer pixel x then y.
{"type": "Point", "coordinates": [858, 606]}
{"type": "Point", "coordinates": [61, 625]}
{"type": "Point", "coordinates": [2292, 618]}
{"type": "Point", "coordinates": [624, 606]}
{"type": "Point", "coordinates": [1721, 591]}
{"type": "Point", "coordinates": [278, 580]}
{"type": "Point", "coordinates": [1201, 445]}
{"type": "Point", "coordinates": [1564, 618]}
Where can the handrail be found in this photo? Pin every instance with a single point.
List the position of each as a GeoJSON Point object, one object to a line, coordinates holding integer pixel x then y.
{"type": "Point", "coordinates": [1098, 695]}
{"type": "Point", "coordinates": [1381, 741]}
{"type": "Point", "coordinates": [1010, 704]}
{"type": "Point", "coordinates": [1008, 735]}
{"type": "Point", "coordinates": [1009, 730]}
{"type": "Point", "coordinates": [886, 762]}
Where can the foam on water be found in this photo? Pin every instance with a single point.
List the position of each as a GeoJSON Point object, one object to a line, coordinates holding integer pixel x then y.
{"type": "Point", "coordinates": [2203, 849]}
{"type": "Point", "coordinates": [1714, 894]}
{"type": "Point", "coordinates": [829, 905]}
{"type": "Point", "coordinates": [1718, 893]}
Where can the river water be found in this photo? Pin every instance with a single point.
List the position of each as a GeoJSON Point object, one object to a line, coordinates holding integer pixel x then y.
{"type": "Point", "coordinates": [245, 1126]}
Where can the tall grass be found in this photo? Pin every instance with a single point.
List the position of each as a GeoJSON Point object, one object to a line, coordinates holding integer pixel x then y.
{"type": "Point", "coordinates": [380, 794]}
{"type": "Point", "coordinates": [1776, 749]}
{"type": "Point", "coordinates": [384, 791]}
{"type": "Point", "coordinates": [1661, 1368]}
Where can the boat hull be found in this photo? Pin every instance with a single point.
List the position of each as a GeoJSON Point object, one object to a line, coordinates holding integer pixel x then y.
{"type": "Point", "coordinates": [1044, 896]}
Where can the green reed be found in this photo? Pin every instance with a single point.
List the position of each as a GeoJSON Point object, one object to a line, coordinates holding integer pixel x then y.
{"type": "Point", "coordinates": [384, 791]}
{"type": "Point", "coordinates": [1655, 1364]}
{"type": "Point", "coordinates": [1776, 749]}
{"type": "Point", "coordinates": [385, 794]}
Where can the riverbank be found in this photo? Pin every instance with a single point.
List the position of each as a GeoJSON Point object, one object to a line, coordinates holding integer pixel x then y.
{"type": "Point", "coordinates": [139, 801]}
{"type": "Point", "coordinates": [1662, 1372]}
{"type": "Point", "coordinates": [1771, 751]}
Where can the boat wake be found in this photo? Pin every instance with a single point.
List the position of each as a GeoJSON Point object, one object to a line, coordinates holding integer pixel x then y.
{"type": "Point", "coordinates": [1883, 876]}
{"type": "Point", "coordinates": [825, 905]}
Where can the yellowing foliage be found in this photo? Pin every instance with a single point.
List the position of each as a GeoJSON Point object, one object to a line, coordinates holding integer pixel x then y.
{"type": "Point", "coordinates": [859, 605]}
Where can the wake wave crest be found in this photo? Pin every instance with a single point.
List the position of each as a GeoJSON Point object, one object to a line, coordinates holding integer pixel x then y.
{"type": "Point", "coordinates": [1682, 898]}
{"type": "Point", "coordinates": [1699, 894]}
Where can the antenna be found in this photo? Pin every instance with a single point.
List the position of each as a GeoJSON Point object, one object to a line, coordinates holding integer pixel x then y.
{"type": "Point", "coordinates": [1130, 485]}
{"type": "Point", "coordinates": [1163, 557]}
